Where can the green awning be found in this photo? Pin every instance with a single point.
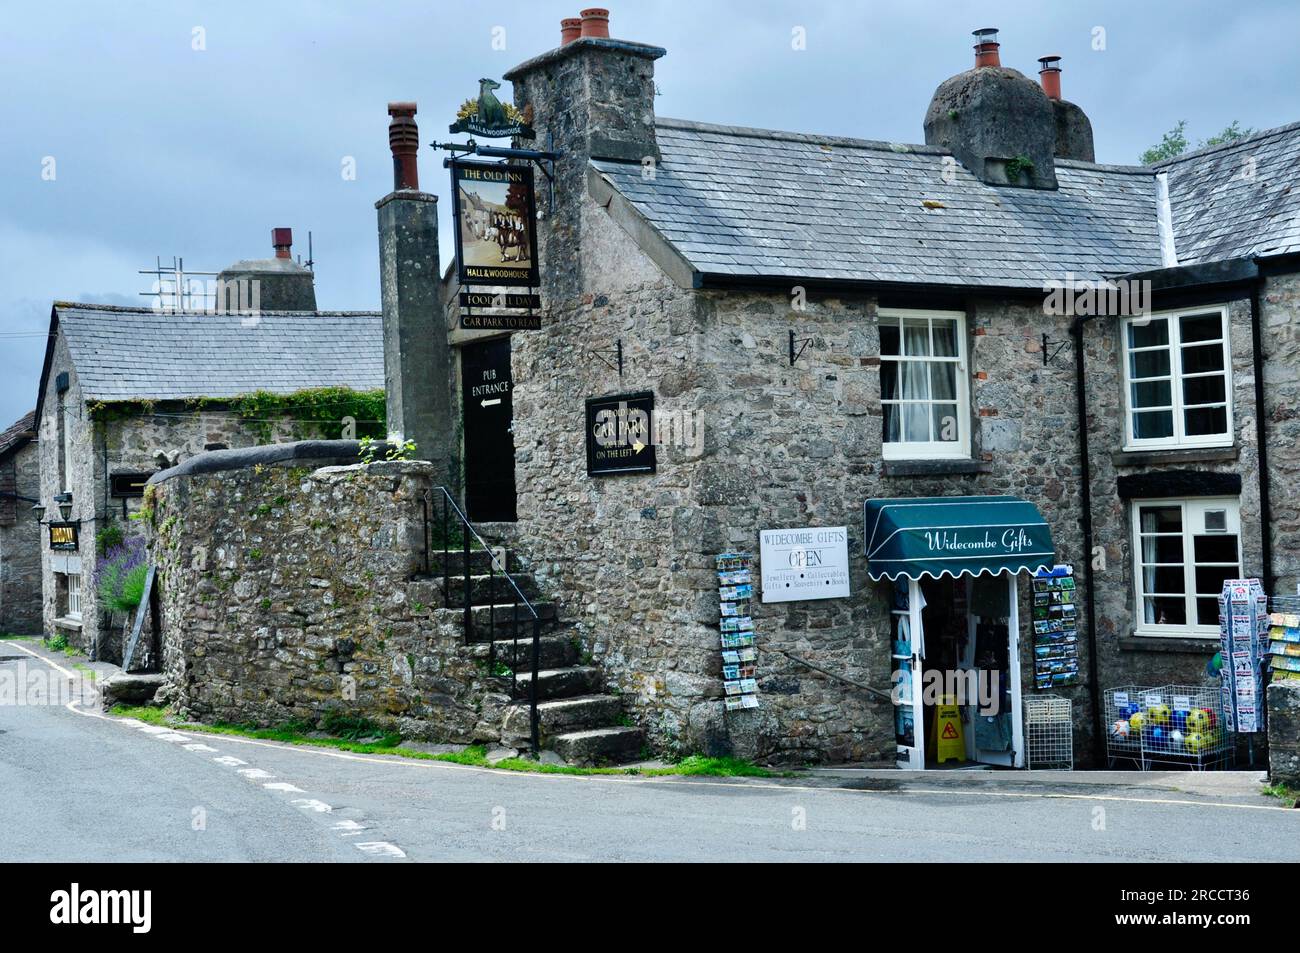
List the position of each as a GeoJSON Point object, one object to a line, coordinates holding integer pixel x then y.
{"type": "Point", "coordinates": [954, 535]}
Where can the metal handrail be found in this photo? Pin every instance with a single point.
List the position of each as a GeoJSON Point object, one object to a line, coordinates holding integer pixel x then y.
{"type": "Point", "coordinates": [450, 506]}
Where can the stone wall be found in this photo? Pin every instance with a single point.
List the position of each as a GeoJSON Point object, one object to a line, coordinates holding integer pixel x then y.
{"type": "Point", "coordinates": [1284, 733]}
{"type": "Point", "coordinates": [20, 546]}
{"type": "Point", "coordinates": [289, 593]}
{"type": "Point", "coordinates": [110, 440]}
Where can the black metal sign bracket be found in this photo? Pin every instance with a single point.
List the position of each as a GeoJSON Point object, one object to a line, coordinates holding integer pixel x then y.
{"type": "Point", "coordinates": [611, 357]}
{"type": "Point", "coordinates": [802, 346]}
{"type": "Point", "coordinates": [1049, 352]}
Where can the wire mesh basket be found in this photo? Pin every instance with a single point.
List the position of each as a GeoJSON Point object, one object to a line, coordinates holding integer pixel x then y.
{"type": "Point", "coordinates": [1049, 732]}
{"type": "Point", "coordinates": [1168, 726]}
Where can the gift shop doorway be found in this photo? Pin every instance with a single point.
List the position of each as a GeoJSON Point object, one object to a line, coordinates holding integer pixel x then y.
{"type": "Point", "coordinates": [954, 564]}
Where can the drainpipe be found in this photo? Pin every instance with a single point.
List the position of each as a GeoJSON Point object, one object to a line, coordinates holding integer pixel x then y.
{"type": "Point", "coordinates": [1261, 443]}
{"type": "Point", "coordinates": [1089, 584]}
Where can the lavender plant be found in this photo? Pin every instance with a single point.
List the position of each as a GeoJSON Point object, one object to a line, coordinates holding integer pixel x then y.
{"type": "Point", "coordinates": [120, 578]}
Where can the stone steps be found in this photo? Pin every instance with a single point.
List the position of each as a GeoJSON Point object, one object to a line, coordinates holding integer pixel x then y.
{"type": "Point", "coordinates": [479, 561]}
{"type": "Point", "coordinates": [498, 621]}
{"type": "Point", "coordinates": [485, 589]}
{"type": "Point", "coordinates": [553, 651]}
{"type": "Point", "coordinates": [562, 682]}
{"type": "Point", "coordinates": [560, 716]}
{"type": "Point", "coordinates": [596, 746]}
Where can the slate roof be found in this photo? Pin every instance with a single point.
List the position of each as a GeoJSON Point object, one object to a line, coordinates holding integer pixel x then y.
{"type": "Point", "coordinates": [138, 354]}
{"type": "Point", "coordinates": [749, 202]}
{"type": "Point", "coordinates": [17, 435]}
{"type": "Point", "coordinates": [752, 203]}
{"type": "Point", "coordinates": [1220, 213]}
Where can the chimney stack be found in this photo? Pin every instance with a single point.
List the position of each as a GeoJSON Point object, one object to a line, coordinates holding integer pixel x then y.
{"type": "Point", "coordinates": [986, 47]}
{"type": "Point", "coordinates": [404, 140]}
{"type": "Point", "coordinates": [1049, 73]}
{"type": "Point", "coordinates": [282, 241]}
{"type": "Point", "coordinates": [570, 30]}
{"type": "Point", "coordinates": [417, 358]}
{"type": "Point", "coordinates": [595, 22]}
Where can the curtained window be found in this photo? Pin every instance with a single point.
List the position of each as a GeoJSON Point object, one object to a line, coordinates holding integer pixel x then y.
{"type": "Point", "coordinates": [1183, 551]}
{"type": "Point", "coordinates": [924, 394]}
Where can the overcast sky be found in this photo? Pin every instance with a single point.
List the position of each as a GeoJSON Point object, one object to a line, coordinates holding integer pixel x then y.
{"type": "Point", "coordinates": [161, 149]}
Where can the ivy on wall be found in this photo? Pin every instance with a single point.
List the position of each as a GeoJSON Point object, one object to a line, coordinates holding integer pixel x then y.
{"type": "Point", "coordinates": [314, 413]}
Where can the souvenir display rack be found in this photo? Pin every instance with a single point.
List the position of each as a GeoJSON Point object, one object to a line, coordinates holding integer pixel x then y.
{"type": "Point", "coordinates": [1056, 632]}
{"type": "Point", "coordinates": [1169, 726]}
{"type": "Point", "coordinates": [739, 654]}
{"type": "Point", "coordinates": [1049, 732]}
{"type": "Point", "coordinates": [1284, 638]}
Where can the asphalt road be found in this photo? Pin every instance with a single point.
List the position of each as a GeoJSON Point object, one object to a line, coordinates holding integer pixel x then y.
{"type": "Point", "coordinates": [80, 786]}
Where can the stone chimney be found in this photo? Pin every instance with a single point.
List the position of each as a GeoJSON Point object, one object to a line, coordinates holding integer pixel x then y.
{"type": "Point", "coordinates": [281, 283]}
{"type": "Point", "coordinates": [592, 97]}
{"type": "Point", "coordinates": [417, 359]}
{"type": "Point", "coordinates": [1073, 129]}
{"type": "Point", "coordinates": [996, 121]}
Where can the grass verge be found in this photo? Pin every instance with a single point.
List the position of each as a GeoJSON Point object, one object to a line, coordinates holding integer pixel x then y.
{"type": "Point", "coordinates": [1289, 795]}
{"type": "Point", "coordinates": [475, 755]}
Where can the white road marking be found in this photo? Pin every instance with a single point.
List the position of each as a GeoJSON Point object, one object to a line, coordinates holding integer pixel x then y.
{"type": "Point", "coordinates": [54, 665]}
{"type": "Point", "coordinates": [349, 828]}
{"type": "Point", "coordinates": [311, 804]}
{"type": "Point", "coordinates": [255, 774]}
{"type": "Point", "coordinates": [155, 730]}
{"type": "Point", "coordinates": [284, 786]}
{"type": "Point", "coordinates": [229, 762]}
{"type": "Point", "coordinates": [381, 848]}
{"type": "Point", "coordinates": [172, 736]}
{"type": "Point", "coordinates": [199, 747]}
{"type": "Point", "coordinates": [131, 722]}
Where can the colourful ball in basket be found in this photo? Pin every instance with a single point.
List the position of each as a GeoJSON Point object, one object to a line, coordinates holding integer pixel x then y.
{"type": "Point", "coordinates": [1157, 737]}
{"type": "Point", "coordinates": [1196, 742]}
{"type": "Point", "coordinates": [1136, 720]}
{"type": "Point", "coordinates": [1214, 719]}
{"type": "Point", "coordinates": [1131, 709]}
{"type": "Point", "coordinates": [1177, 739]}
{"type": "Point", "coordinates": [1180, 719]}
{"type": "Point", "coordinates": [1119, 729]}
{"type": "Point", "coordinates": [1159, 714]}
{"type": "Point", "coordinates": [1198, 720]}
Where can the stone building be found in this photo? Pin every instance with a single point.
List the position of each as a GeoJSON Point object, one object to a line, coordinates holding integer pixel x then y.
{"type": "Point", "coordinates": [20, 560]}
{"type": "Point", "coordinates": [986, 356]}
{"type": "Point", "coordinates": [126, 392]}
{"type": "Point", "coordinates": [844, 320]}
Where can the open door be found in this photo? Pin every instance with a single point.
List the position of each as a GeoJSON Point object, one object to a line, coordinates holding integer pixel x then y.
{"type": "Point", "coordinates": [994, 734]}
{"type": "Point", "coordinates": [909, 660]}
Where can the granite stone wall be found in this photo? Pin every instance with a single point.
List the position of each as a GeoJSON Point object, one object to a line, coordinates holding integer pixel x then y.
{"type": "Point", "coordinates": [288, 594]}
{"type": "Point", "coordinates": [20, 546]}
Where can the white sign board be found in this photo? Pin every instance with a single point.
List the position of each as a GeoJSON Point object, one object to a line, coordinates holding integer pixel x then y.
{"type": "Point", "coordinates": [807, 563]}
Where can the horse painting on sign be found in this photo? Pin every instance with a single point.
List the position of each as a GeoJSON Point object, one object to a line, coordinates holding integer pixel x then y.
{"type": "Point", "coordinates": [495, 223]}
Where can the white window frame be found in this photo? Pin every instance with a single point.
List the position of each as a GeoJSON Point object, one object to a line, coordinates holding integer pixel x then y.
{"type": "Point", "coordinates": [1174, 346]}
{"type": "Point", "coordinates": [74, 595]}
{"type": "Point", "coordinates": [931, 449]}
{"type": "Point", "coordinates": [1189, 508]}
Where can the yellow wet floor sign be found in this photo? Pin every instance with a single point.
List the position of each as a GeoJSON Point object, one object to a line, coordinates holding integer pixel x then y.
{"type": "Point", "coordinates": [948, 740]}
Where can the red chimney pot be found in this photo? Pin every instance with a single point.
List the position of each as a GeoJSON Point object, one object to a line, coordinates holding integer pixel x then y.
{"type": "Point", "coordinates": [595, 22]}
{"type": "Point", "coordinates": [986, 47]}
{"type": "Point", "coordinates": [1049, 73]}
{"type": "Point", "coordinates": [404, 140]}
{"type": "Point", "coordinates": [570, 30]}
{"type": "Point", "coordinates": [282, 241]}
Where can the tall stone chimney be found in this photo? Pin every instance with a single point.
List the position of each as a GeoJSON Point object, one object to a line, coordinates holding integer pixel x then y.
{"type": "Point", "coordinates": [417, 359]}
{"type": "Point", "coordinates": [592, 97]}
{"type": "Point", "coordinates": [996, 121]}
{"type": "Point", "coordinates": [281, 283]}
{"type": "Point", "coordinates": [1073, 128]}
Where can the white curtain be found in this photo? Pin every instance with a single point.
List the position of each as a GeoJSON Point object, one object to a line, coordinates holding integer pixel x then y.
{"type": "Point", "coordinates": [1149, 525]}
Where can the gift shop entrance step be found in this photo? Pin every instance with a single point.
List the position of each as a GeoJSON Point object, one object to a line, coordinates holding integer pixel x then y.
{"type": "Point", "coordinates": [500, 605]}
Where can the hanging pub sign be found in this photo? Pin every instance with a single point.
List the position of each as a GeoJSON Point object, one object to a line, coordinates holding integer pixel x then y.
{"type": "Point", "coordinates": [128, 485]}
{"type": "Point", "coordinates": [620, 434]}
{"type": "Point", "coordinates": [496, 224]}
{"type": "Point", "coordinates": [490, 118]}
{"type": "Point", "coordinates": [64, 536]}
